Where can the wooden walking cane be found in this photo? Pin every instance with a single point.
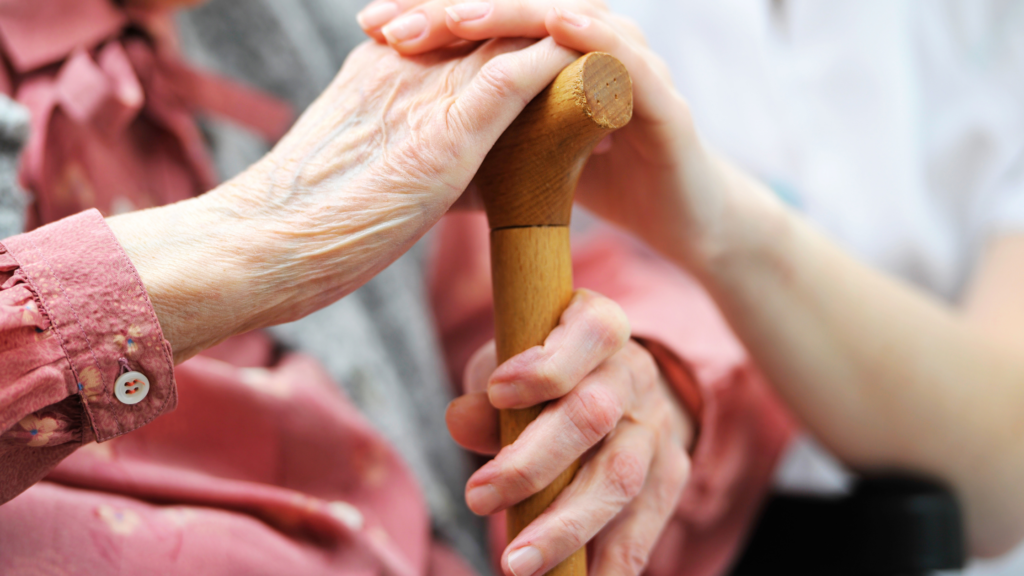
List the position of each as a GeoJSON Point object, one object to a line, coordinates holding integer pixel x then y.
{"type": "Point", "coordinates": [527, 183]}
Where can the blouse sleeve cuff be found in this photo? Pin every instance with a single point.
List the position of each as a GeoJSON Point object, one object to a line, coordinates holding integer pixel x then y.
{"type": "Point", "coordinates": [682, 380]}
{"type": "Point", "coordinates": [98, 308]}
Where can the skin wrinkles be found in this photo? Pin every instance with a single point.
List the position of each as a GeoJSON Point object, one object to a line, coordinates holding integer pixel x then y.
{"type": "Point", "coordinates": [362, 175]}
{"type": "Point", "coordinates": [378, 158]}
{"type": "Point", "coordinates": [381, 210]}
{"type": "Point", "coordinates": [382, 128]}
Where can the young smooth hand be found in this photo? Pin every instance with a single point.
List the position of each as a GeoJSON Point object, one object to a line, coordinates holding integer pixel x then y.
{"type": "Point", "coordinates": [610, 405]}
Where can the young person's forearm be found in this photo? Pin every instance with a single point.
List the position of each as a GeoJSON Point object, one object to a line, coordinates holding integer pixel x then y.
{"type": "Point", "coordinates": [882, 373]}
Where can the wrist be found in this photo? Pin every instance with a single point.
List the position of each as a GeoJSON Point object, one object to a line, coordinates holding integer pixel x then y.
{"type": "Point", "coordinates": [748, 227]}
{"type": "Point", "coordinates": [195, 263]}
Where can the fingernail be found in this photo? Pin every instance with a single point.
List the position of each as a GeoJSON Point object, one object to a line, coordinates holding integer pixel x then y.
{"type": "Point", "coordinates": [503, 395]}
{"type": "Point", "coordinates": [525, 561]}
{"type": "Point", "coordinates": [468, 11]}
{"type": "Point", "coordinates": [572, 18]}
{"type": "Point", "coordinates": [405, 28]}
{"type": "Point", "coordinates": [483, 499]}
{"type": "Point", "coordinates": [376, 15]}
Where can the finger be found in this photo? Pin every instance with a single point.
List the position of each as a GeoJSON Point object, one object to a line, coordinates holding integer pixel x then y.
{"type": "Point", "coordinates": [563, 432]}
{"type": "Point", "coordinates": [500, 90]}
{"type": "Point", "coordinates": [628, 27]}
{"type": "Point", "coordinates": [479, 368]}
{"type": "Point", "coordinates": [602, 488]}
{"type": "Point", "coordinates": [380, 12]}
{"type": "Point", "coordinates": [624, 546]}
{"type": "Point", "coordinates": [654, 93]}
{"type": "Point", "coordinates": [584, 28]}
{"type": "Point", "coordinates": [425, 28]}
{"type": "Point", "coordinates": [591, 330]}
{"type": "Point", "coordinates": [512, 18]}
{"type": "Point", "coordinates": [473, 423]}
{"type": "Point", "coordinates": [487, 51]}
{"type": "Point", "coordinates": [440, 22]}
{"type": "Point", "coordinates": [437, 23]}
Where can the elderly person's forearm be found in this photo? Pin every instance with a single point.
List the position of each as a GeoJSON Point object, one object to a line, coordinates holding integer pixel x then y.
{"type": "Point", "coordinates": [363, 174]}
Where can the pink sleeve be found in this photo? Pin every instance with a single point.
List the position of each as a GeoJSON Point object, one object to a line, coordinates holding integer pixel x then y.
{"type": "Point", "coordinates": [73, 317]}
{"type": "Point", "coordinates": [742, 426]}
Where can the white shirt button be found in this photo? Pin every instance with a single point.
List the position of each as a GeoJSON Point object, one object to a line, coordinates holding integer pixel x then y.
{"type": "Point", "coordinates": [131, 387]}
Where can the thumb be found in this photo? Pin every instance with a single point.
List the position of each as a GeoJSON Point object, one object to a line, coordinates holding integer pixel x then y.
{"type": "Point", "coordinates": [502, 88]}
{"type": "Point", "coordinates": [479, 368]}
{"type": "Point", "coordinates": [473, 423]}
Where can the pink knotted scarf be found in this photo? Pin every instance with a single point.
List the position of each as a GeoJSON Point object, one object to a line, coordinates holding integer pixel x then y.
{"type": "Point", "coordinates": [112, 107]}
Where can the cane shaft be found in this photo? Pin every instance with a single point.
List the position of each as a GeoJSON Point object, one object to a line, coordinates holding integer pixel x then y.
{"type": "Point", "coordinates": [527, 184]}
{"type": "Point", "coordinates": [532, 272]}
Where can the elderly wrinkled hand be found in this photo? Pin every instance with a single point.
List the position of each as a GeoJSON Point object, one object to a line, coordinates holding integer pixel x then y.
{"type": "Point", "coordinates": [609, 405]}
{"type": "Point", "coordinates": [658, 152]}
{"type": "Point", "coordinates": [370, 166]}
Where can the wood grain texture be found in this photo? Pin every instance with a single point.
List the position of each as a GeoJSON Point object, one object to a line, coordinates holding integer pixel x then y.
{"type": "Point", "coordinates": [529, 177]}
{"type": "Point", "coordinates": [527, 183]}
{"type": "Point", "coordinates": [532, 272]}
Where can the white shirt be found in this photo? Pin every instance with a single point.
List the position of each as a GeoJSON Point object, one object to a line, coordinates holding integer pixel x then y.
{"type": "Point", "coordinates": [897, 126]}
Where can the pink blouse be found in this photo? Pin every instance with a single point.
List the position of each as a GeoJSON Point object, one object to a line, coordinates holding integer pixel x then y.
{"type": "Point", "coordinates": [264, 467]}
{"type": "Point", "coordinates": [72, 313]}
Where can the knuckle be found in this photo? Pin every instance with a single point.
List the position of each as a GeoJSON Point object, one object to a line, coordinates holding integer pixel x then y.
{"type": "Point", "coordinates": [609, 320]}
{"type": "Point", "coordinates": [662, 418]}
{"type": "Point", "coordinates": [673, 481]}
{"type": "Point", "coordinates": [573, 531]}
{"type": "Point", "coordinates": [662, 423]}
{"type": "Point", "coordinates": [625, 475]}
{"type": "Point", "coordinates": [643, 368]}
{"type": "Point", "coordinates": [628, 557]}
{"type": "Point", "coordinates": [520, 478]}
{"type": "Point", "coordinates": [553, 381]}
{"type": "Point", "coordinates": [499, 79]}
{"type": "Point", "coordinates": [593, 412]}
{"type": "Point", "coordinates": [638, 353]}
{"type": "Point", "coordinates": [609, 337]}
{"type": "Point", "coordinates": [679, 469]}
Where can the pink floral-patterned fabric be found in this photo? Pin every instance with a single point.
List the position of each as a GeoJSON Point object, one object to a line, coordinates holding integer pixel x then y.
{"type": "Point", "coordinates": [72, 311]}
{"type": "Point", "coordinates": [265, 468]}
